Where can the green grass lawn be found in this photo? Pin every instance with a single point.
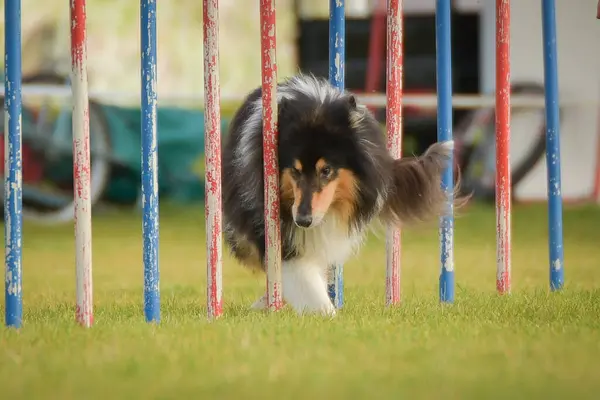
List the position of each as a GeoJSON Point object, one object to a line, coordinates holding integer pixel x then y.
{"type": "Point", "coordinates": [532, 344]}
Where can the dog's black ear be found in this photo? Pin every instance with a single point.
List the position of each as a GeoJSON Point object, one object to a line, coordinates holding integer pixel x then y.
{"type": "Point", "coordinates": [286, 111]}
{"type": "Point", "coordinates": [283, 107]}
{"type": "Point", "coordinates": [352, 101]}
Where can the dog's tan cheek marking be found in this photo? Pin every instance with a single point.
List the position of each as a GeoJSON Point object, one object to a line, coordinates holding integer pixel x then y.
{"type": "Point", "coordinates": [287, 188]}
{"type": "Point", "coordinates": [322, 200]}
{"type": "Point", "coordinates": [291, 195]}
{"type": "Point", "coordinates": [345, 195]}
{"type": "Point", "coordinates": [297, 196]}
{"type": "Point", "coordinates": [298, 165]}
{"type": "Point", "coordinates": [320, 164]}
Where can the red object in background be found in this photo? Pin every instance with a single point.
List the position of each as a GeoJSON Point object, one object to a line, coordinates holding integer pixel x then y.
{"type": "Point", "coordinates": [377, 52]}
{"type": "Point", "coordinates": [376, 49]}
{"type": "Point", "coordinates": [420, 111]}
{"type": "Point", "coordinates": [33, 170]}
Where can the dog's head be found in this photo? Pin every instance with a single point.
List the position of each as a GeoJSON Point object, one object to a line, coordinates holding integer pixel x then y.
{"type": "Point", "coordinates": [318, 159]}
{"type": "Point", "coordinates": [315, 188]}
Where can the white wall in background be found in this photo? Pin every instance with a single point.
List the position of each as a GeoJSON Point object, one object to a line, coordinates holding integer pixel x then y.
{"type": "Point", "coordinates": [363, 8]}
{"type": "Point", "coordinates": [578, 35]}
{"type": "Point", "coordinates": [428, 6]}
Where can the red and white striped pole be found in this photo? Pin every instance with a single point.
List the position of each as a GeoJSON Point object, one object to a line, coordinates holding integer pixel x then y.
{"type": "Point", "coordinates": [81, 164]}
{"type": "Point", "coordinates": [503, 179]}
{"type": "Point", "coordinates": [394, 137]}
{"type": "Point", "coordinates": [271, 164]}
{"type": "Point", "coordinates": [212, 151]}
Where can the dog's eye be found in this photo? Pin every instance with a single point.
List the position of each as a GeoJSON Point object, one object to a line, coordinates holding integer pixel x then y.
{"type": "Point", "coordinates": [325, 172]}
{"type": "Point", "coordinates": [295, 173]}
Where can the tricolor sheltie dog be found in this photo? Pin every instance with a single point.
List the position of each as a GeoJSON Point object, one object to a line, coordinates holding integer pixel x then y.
{"type": "Point", "coordinates": [336, 177]}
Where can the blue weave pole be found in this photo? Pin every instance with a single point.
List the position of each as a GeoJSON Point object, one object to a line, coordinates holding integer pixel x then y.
{"type": "Point", "coordinates": [337, 60]}
{"type": "Point", "coordinates": [149, 162]}
{"type": "Point", "coordinates": [443, 35]}
{"type": "Point", "coordinates": [13, 197]}
{"type": "Point", "coordinates": [555, 237]}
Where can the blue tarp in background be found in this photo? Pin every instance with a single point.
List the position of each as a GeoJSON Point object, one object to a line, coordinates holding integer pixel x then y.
{"type": "Point", "coordinates": [180, 153]}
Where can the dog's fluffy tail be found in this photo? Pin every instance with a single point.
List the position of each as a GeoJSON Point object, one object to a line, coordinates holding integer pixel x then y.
{"type": "Point", "coordinates": [415, 192]}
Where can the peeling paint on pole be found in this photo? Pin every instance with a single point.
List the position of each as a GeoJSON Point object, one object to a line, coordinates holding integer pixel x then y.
{"type": "Point", "coordinates": [444, 133]}
{"type": "Point", "coordinates": [394, 137]}
{"type": "Point", "coordinates": [150, 221]}
{"type": "Point", "coordinates": [81, 164]}
{"type": "Point", "coordinates": [212, 150]}
{"type": "Point", "coordinates": [503, 177]}
{"type": "Point", "coordinates": [555, 225]}
{"type": "Point", "coordinates": [337, 77]}
{"type": "Point", "coordinates": [13, 167]}
{"type": "Point", "coordinates": [271, 162]}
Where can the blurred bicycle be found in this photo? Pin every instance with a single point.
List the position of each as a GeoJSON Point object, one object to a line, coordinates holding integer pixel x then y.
{"type": "Point", "coordinates": [47, 153]}
{"type": "Point", "coordinates": [475, 146]}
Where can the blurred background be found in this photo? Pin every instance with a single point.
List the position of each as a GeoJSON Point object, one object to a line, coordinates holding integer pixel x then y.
{"type": "Point", "coordinates": [531, 345]}
{"type": "Point", "coordinates": [302, 45]}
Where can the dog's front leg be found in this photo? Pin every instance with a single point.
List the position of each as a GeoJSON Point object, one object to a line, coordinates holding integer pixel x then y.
{"type": "Point", "coordinates": [304, 288]}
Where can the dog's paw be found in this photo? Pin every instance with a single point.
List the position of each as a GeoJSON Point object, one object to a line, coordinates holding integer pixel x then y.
{"type": "Point", "coordinates": [329, 311]}
{"type": "Point", "coordinates": [325, 310]}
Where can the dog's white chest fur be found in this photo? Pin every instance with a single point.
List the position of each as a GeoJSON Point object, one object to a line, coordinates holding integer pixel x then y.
{"type": "Point", "coordinates": [331, 242]}
{"type": "Point", "coordinates": [305, 277]}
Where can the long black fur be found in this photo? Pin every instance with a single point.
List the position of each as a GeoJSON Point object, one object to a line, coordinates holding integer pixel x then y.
{"type": "Point", "coordinates": [317, 121]}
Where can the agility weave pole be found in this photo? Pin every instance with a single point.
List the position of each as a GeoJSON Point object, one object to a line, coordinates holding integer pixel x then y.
{"type": "Point", "coordinates": [553, 161]}
{"type": "Point", "coordinates": [150, 220]}
{"type": "Point", "coordinates": [443, 33]}
{"type": "Point", "coordinates": [212, 152]}
{"type": "Point", "coordinates": [81, 161]}
{"type": "Point", "coordinates": [13, 201]}
{"type": "Point", "coordinates": [213, 178]}
{"type": "Point", "coordinates": [337, 78]}
{"type": "Point", "coordinates": [81, 164]}
{"type": "Point", "coordinates": [503, 175]}
{"type": "Point", "coordinates": [394, 73]}
{"type": "Point", "coordinates": [394, 78]}
{"type": "Point", "coordinates": [270, 154]}
{"type": "Point", "coordinates": [555, 213]}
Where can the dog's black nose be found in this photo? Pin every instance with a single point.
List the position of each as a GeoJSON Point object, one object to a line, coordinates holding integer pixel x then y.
{"type": "Point", "coordinates": [303, 220]}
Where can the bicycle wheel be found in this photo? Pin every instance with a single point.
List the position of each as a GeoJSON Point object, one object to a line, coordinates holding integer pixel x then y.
{"type": "Point", "coordinates": [48, 199]}
{"type": "Point", "coordinates": [476, 137]}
